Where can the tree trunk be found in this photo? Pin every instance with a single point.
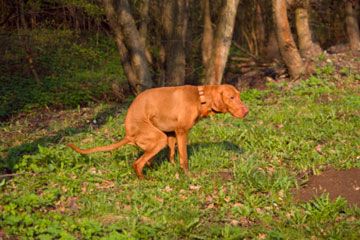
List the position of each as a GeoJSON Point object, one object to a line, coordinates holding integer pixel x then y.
{"type": "Point", "coordinates": [352, 27]}
{"type": "Point", "coordinates": [222, 42]}
{"type": "Point", "coordinates": [175, 26]}
{"type": "Point", "coordinates": [307, 47]}
{"type": "Point", "coordinates": [260, 28]}
{"type": "Point", "coordinates": [143, 29]}
{"type": "Point", "coordinates": [272, 48]}
{"type": "Point", "coordinates": [207, 39]}
{"type": "Point", "coordinates": [130, 46]}
{"type": "Point", "coordinates": [25, 41]}
{"type": "Point", "coordinates": [288, 49]}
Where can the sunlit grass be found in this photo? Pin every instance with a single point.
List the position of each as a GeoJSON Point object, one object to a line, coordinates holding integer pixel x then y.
{"type": "Point", "coordinates": [243, 173]}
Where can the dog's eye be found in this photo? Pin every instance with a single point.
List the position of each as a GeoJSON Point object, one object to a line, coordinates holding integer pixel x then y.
{"type": "Point", "coordinates": [232, 97]}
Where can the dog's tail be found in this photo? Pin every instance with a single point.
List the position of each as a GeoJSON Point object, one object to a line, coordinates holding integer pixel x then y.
{"type": "Point", "coordinates": [100, 149]}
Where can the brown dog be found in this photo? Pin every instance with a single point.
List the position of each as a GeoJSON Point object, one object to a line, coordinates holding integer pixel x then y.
{"type": "Point", "coordinates": [163, 116]}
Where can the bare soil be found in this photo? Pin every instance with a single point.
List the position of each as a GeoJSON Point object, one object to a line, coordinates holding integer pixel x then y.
{"type": "Point", "coordinates": [344, 183]}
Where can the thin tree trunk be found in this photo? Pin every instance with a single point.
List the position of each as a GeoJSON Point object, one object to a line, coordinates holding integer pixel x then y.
{"type": "Point", "coordinates": [288, 49]}
{"type": "Point", "coordinates": [144, 19]}
{"type": "Point", "coordinates": [66, 25]}
{"type": "Point", "coordinates": [272, 48]}
{"type": "Point", "coordinates": [352, 26]}
{"type": "Point", "coordinates": [143, 29]}
{"type": "Point", "coordinates": [207, 39]}
{"type": "Point", "coordinates": [33, 19]}
{"type": "Point", "coordinates": [307, 47]}
{"type": "Point", "coordinates": [157, 14]}
{"type": "Point", "coordinates": [222, 42]}
{"type": "Point", "coordinates": [131, 48]}
{"type": "Point", "coordinates": [180, 33]}
{"type": "Point", "coordinates": [260, 28]}
{"type": "Point", "coordinates": [175, 27]}
{"type": "Point", "coordinates": [74, 17]}
{"type": "Point", "coordinates": [22, 15]}
{"type": "Point", "coordinates": [24, 40]}
{"type": "Point", "coordinates": [131, 75]}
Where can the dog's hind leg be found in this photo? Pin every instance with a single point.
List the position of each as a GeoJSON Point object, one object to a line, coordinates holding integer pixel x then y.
{"type": "Point", "coordinates": [152, 140]}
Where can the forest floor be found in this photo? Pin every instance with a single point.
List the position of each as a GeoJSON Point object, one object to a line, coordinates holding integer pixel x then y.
{"type": "Point", "coordinates": [340, 62]}
{"type": "Point", "coordinates": [290, 169]}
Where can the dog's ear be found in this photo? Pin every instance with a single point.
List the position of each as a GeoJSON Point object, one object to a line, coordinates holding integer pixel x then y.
{"type": "Point", "coordinates": [218, 100]}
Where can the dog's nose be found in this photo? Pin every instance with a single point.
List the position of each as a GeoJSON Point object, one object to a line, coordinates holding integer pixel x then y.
{"type": "Point", "coordinates": [245, 111]}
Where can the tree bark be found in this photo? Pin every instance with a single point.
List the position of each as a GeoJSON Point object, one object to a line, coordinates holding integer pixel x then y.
{"type": "Point", "coordinates": [129, 43]}
{"type": "Point", "coordinates": [260, 28]}
{"type": "Point", "coordinates": [307, 47]}
{"type": "Point", "coordinates": [143, 28]}
{"type": "Point", "coordinates": [352, 26]}
{"type": "Point", "coordinates": [272, 48]}
{"type": "Point", "coordinates": [175, 26]}
{"type": "Point", "coordinates": [222, 42]}
{"type": "Point", "coordinates": [207, 39]}
{"type": "Point", "coordinates": [25, 41]}
{"type": "Point", "coordinates": [288, 49]}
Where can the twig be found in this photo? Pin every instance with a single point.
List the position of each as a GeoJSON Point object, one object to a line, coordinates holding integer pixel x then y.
{"type": "Point", "coordinates": [244, 50]}
{"type": "Point", "coordinates": [12, 174]}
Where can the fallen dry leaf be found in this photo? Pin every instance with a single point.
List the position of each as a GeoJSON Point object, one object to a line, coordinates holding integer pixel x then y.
{"type": "Point", "coordinates": [93, 170]}
{"type": "Point", "coordinates": [270, 170]}
{"type": "Point", "coordinates": [69, 204]}
{"type": "Point", "coordinates": [84, 187]}
{"type": "Point", "coordinates": [262, 236]}
{"type": "Point", "coordinates": [234, 222]}
{"type": "Point", "coordinates": [240, 205]}
{"type": "Point", "coordinates": [210, 206]}
{"type": "Point", "coordinates": [159, 199]}
{"type": "Point", "coordinates": [183, 197]}
{"type": "Point", "coordinates": [105, 184]}
{"type": "Point", "coordinates": [209, 199]}
{"type": "Point", "coordinates": [244, 221]}
{"type": "Point", "coordinates": [319, 148]}
{"type": "Point", "coordinates": [259, 210]}
{"type": "Point", "coordinates": [72, 203]}
{"type": "Point", "coordinates": [194, 187]}
{"type": "Point", "coordinates": [64, 189]}
{"type": "Point", "coordinates": [281, 194]}
{"type": "Point", "coordinates": [2, 234]}
{"type": "Point", "coordinates": [127, 207]}
{"type": "Point", "coordinates": [146, 219]}
{"type": "Point", "coordinates": [177, 177]}
{"type": "Point", "coordinates": [168, 189]}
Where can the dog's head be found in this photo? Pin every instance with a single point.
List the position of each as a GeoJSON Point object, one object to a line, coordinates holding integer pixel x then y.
{"type": "Point", "coordinates": [226, 98]}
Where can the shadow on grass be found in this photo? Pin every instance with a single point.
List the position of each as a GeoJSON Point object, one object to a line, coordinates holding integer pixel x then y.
{"type": "Point", "coordinates": [195, 147]}
{"type": "Point", "coordinates": [15, 154]}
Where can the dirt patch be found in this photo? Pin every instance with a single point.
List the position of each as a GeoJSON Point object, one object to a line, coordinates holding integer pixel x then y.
{"type": "Point", "coordinates": [224, 175]}
{"type": "Point", "coordinates": [344, 183]}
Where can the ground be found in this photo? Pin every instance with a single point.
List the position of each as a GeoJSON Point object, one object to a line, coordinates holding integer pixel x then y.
{"type": "Point", "coordinates": [336, 183]}
{"type": "Point", "coordinates": [345, 183]}
{"type": "Point", "coordinates": [248, 177]}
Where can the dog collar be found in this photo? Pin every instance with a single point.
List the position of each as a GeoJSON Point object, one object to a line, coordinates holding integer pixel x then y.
{"type": "Point", "coordinates": [204, 105]}
{"type": "Point", "coordinates": [201, 94]}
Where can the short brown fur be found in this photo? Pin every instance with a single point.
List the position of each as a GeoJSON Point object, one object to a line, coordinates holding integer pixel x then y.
{"type": "Point", "coordinates": [163, 116]}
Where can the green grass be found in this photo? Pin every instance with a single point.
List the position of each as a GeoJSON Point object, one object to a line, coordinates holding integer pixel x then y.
{"type": "Point", "coordinates": [243, 175]}
{"type": "Point", "coordinates": [74, 70]}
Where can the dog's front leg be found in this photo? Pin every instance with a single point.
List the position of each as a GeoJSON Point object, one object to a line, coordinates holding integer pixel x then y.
{"type": "Point", "coordinates": [181, 137]}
